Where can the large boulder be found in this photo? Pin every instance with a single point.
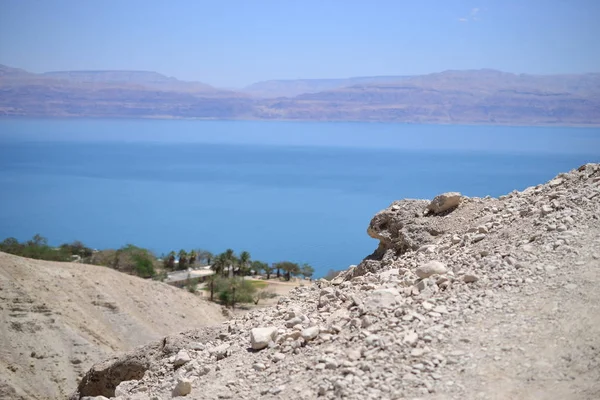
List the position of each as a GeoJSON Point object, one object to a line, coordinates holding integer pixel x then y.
{"type": "Point", "coordinates": [261, 337]}
{"type": "Point", "coordinates": [444, 202]}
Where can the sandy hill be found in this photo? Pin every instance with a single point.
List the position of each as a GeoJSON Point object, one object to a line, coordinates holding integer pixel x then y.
{"type": "Point", "coordinates": [57, 319]}
{"type": "Point", "coordinates": [464, 298]}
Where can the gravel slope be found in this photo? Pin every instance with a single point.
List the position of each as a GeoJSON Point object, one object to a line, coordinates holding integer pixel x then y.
{"type": "Point", "coordinates": [492, 299]}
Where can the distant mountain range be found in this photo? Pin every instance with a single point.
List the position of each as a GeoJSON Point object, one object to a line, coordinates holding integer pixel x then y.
{"type": "Point", "coordinates": [460, 97]}
{"type": "Point", "coordinates": [295, 87]}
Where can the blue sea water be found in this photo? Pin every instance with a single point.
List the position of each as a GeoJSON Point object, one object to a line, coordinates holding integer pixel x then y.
{"type": "Point", "coordinates": [281, 190]}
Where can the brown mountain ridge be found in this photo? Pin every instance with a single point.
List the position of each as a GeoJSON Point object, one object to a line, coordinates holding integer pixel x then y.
{"type": "Point", "coordinates": [451, 97]}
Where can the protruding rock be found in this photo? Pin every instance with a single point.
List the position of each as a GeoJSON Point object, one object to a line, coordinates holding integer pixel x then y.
{"type": "Point", "coordinates": [444, 202]}
{"type": "Point", "coordinates": [261, 337]}
{"type": "Point", "coordinates": [470, 278]}
{"type": "Point", "coordinates": [181, 358]}
{"type": "Point", "coordinates": [431, 268]}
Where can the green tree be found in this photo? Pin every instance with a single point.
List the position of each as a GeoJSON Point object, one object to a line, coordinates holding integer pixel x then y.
{"type": "Point", "coordinates": [231, 261]}
{"type": "Point", "coordinates": [289, 268]}
{"type": "Point", "coordinates": [129, 259]}
{"type": "Point", "coordinates": [10, 245]}
{"type": "Point", "coordinates": [307, 271]}
{"type": "Point", "coordinates": [244, 263]}
{"type": "Point", "coordinates": [183, 260]}
{"type": "Point", "coordinates": [268, 270]}
{"type": "Point", "coordinates": [169, 261]}
{"type": "Point", "coordinates": [77, 248]}
{"type": "Point", "coordinates": [234, 290]}
{"type": "Point", "coordinates": [205, 257]}
{"type": "Point", "coordinates": [192, 258]}
{"type": "Point", "coordinates": [38, 240]}
{"type": "Point", "coordinates": [258, 266]}
{"type": "Point", "coordinates": [219, 264]}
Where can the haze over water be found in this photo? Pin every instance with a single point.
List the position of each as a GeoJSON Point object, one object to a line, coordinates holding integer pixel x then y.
{"type": "Point", "coordinates": [295, 191]}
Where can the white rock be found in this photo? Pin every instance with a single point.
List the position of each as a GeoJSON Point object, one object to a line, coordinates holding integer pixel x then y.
{"type": "Point", "coordinates": [261, 337]}
{"type": "Point", "coordinates": [181, 358]}
{"type": "Point", "coordinates": [411, 338]}
{"type": "Point", "coordinates": [310, 333]}
{"type": "Point", "coordinates": [293, 321]}
{"type": "Point", "coordinates": [183, 387]}
{"type": "Point", "coordinates": [259, 366]}
{"type": "Point", "coordinates": [431, 268]}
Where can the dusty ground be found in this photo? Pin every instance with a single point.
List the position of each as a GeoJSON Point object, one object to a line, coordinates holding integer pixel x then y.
{"type": "Point", "coordinates": [57, 319]}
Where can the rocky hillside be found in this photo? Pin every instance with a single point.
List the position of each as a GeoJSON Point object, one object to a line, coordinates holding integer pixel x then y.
{"type": "Point", "coordinates": [464, 298]}
{"type": "Point", "coordinates": [57, 319]}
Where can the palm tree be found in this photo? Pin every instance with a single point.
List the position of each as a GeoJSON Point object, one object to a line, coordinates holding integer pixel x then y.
{"type": "Point", "coordinates": [219, 264]}
{"type": "Point", "coordinates": [244, 262]}
{"type": "Point", "coordinates": [182, 259]}
{"type": "Point", "coordinates": [231, 260]}
{"type": "Point", "coordinates": [193, 257]}
{"type": "Point", "coordinates": [169, 261]}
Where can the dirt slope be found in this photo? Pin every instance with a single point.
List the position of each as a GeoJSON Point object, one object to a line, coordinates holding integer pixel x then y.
{"type": "Point", "coordinates": [57, 319]}
{"type": "Point", "coordinates": [489, 299]}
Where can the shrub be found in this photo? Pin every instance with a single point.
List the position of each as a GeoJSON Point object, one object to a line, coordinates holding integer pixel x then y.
{"type": "Point", "coordinates": [234, 290]}
{"type": "Point", "coordinates": [129, 259]}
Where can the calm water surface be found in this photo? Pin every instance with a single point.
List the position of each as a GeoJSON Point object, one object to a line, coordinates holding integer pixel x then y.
{"type": "Point", "coordinates": [281, 190]}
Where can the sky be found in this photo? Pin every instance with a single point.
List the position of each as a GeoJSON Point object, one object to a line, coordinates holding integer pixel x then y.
{"type": "Point", "coordinates": [233, 43]}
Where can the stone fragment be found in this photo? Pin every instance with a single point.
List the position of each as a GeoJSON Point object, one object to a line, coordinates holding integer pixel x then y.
{"type": "Point", "coordinates": [310, 333]}
{"type": "Point", "coordinates": [259, 366]}
{"type": "Point", "coordinates": [479, 237]}
{"type": "Point", "coordinates": [220, 352]}
{"type": "Point", "coordinates": [431, 268]}
{"type": "Point", "coordinates": [261, 337]}
{"type": "Point", "coordinates": [470, 278]}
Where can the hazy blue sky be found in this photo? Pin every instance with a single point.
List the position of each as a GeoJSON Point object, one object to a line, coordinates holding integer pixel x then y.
{"type": "Point", "coordinates": [233, 43]}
